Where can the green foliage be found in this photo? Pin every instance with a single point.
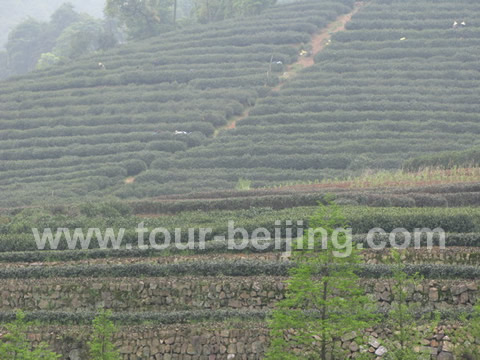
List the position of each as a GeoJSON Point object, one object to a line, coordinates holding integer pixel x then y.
{"type": "Point", "coordinates": [211, 247]}
{"type": "Point", "coordinates": [454, 195]}
{"type": "Point", "coordinates": [466, 338]}
{"type": "Point", "coordinates": [3, 64]}
{"type": "Point", "coordinates": [251, 7]}
{"type": "Point", "coordinates": [461, 224]}
{"type": "Point", "coordinates": [63, 17]}
{"type": "Point", "coordinates": [25, 46]}
{"type": "Point", "coordinates": [41, 10]}
{"type": "Point", "coordinates": [369, 103]}
{"type": "Point", "coordinates": [92, 115]}
{"type": "Point", "coordinates": [14, 345]}
{"type": "Point", "coordinates": [169, 317]}
{"type": "Point", "coordinates": [405, 337]}
{"type": "Point", "coordinates": [84, 36]}
{"type": "Point", "coordinates": [445, 160]}
{"type": "Point", "coordinates": [112, 209]}
{"type": "Point", "coordinates": [316, 313]}
{"type": "Point", "coordinates": [135, 167]}
{"type": "Point", "coordinates": [229, 268]}
{"type": "Point", "coordinates": [243, 185]}
{"type": "Point", "coordinates": [101, 345]}
{"type": "Point", "coordinates": [142, 18]}
{"type": "Point", "coordinates": [46, 60]}
{"type": "Point", "coordinates": [30, 39]}
{"type": "Point", "coordinates": [35, 44]}
{"type": "Point", "coordinates": [142, 317]}
{"type": "Point", "coordinates": [215, 10]}
{"type": "Point", "coordinates": [167, 146]}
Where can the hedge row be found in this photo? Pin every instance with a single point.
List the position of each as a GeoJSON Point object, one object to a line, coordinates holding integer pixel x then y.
{"type": "Point", "coordinates": [364, 198]}
{"type": "Point", "coordinates": [218, 247]}
{"type": "Point", "coordinates": [445, 160]}
{"type": "Point", "coordinates": [172, 317]}
{"type": "Point", "coordinates": [160, 184]}
{"type": "Point", "coordinates": [200, 106]}
{"type": "Point", "coordinates": [287, 105]}
{"type": "Point", "coordinates": [146, 94]}
{"type": "Point", "coordinates": [227, 268]}
{"type": "Point", "coordinates": [16, 232]}
{"type": "Point", "coordinates": [432, 189]}
{"type": "Point", "coordinates": [195, 316]}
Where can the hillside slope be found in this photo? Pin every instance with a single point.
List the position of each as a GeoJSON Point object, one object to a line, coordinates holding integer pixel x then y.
{"type": "Point", "coordinates": [82, 129]}
{"type": "Point", "coordinates": [400, 82]}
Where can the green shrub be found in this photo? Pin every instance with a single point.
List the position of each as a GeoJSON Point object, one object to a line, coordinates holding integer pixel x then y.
{"type": "Point", "coordinates": [444, 160]}
{"type": "Point", "coordinates": [167, 146]}
{"type": "Point", "coordinates": [228, 268]}
{"type": "Point", "coordinates": [135, 167]}
{"type": "Point", "coordinates": [243, 185]}
{"type": "Point", "coordinates": [100, 345]}
{"type": "Point", "coordinates": [112, 209]}
{"type": "Point", "coordinates": [15, 344]}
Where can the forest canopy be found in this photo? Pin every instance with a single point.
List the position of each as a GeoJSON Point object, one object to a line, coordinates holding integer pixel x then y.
{"type": "Point", "coordinates": [36, 44]}
{"type": "Point", "coordinates": [33, 43]}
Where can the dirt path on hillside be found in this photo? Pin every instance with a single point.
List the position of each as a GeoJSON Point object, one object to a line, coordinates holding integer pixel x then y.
{"type": "Point", "coordinates": [232, 123]}
{"type": "Point", "coordinates": [322, 39]}
{"type": "Point", "coordinates": [318, 42]}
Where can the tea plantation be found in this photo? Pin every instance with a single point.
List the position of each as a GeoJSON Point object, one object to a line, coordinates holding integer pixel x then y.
{"type": "Point", "coordinates": [150, 113]}
{"type": "Point", "coordinates": [84, 128]}
{"type": "Point", "coordinates": [400, 82]}
{"type": "Point", "coordinates": [195, 303]}
{"type": "Point", "coordinates": [220, 122]}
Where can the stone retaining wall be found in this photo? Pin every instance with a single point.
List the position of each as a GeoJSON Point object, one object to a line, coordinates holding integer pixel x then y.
{"type": "Point", "coordinates": [187, 293]}
{"type": "Point", "coordinates": [173, 342]}
{"type": "Point", "coordinates": [245, 341]}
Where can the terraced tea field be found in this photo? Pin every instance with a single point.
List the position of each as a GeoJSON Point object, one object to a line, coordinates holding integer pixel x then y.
{"type": "Point", "coordinates": [247, 124]}
{"type": "Point", "coordinates": [145, 125]}
{"type": "Point", "coordinates": [398, 83]}
{"type": "Point", "coordinates": [88, 128]}
{"type": "Point", "coordinates": [212, 303]}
